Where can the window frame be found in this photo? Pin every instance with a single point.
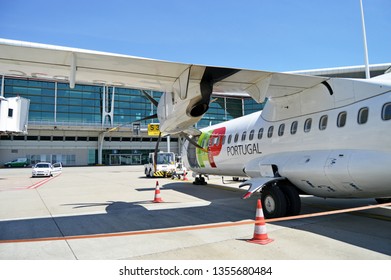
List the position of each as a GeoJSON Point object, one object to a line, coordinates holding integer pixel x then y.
{"type": "Point", "coordinates": [236, 138]}
{"type": "Point", "coordinates": [294, 127]}
{"type": "Point", "coordinates": [323, 122]}
{"type": "Point", "coordinates": [383, 111]}
{"type": "Point", "coordinates": [270, 131]}
{"type": "Point", "coordinates": [251, 135]}
{"type": "Point", "coordinates": [360, 118]}
{"type": "Point", "coordinates": [307, 125]}
{"type": "Point", "coordinates": [340, 118]}
{"type": "Point", "coordinates": [260, 133]}
{"type": "Point", "coordinates": [244, 136]}
{"type": "Point", "coordinates": [281, 129]}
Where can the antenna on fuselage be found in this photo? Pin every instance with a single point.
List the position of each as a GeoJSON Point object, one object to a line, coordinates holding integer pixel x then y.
{"type": "Point", "coordinates": [367, 73]}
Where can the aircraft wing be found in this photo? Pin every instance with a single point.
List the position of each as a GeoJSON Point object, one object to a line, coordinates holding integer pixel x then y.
{"type": "Point", "coordinates": [23, 59]}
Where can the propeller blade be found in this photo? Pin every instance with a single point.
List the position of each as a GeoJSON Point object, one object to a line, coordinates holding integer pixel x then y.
{"type": "Point", "coordinates": [193, 142]}
{"type": "Point", "coordinates": [153, 101]}
{"type": "Point", "coordinates": [154, 116]}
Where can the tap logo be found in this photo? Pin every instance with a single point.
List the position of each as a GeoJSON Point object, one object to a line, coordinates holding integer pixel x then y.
{"type": "Point", "coordinates": [213, 141]}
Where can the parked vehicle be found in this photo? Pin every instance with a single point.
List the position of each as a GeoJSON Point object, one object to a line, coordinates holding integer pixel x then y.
{"type": "Point", "coordinates": [46, 169]}
{"type": "Point", "coordinates": [163, 167]}
{"type": "Point", "coordinates": [19, 162]}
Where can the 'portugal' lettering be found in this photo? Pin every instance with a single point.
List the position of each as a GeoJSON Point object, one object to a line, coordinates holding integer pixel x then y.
{"type": "Point", "coordinates": [241, 150]}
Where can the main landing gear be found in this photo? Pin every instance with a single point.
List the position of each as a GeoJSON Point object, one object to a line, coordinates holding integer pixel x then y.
{"type": "Point", "coordinates": [280, 199]}
{"type": "Point", "coordinates": [200, 180]}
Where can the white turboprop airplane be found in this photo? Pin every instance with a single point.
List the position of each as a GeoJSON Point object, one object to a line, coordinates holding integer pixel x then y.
{"type": "Point", "coordinates": [327, 137]}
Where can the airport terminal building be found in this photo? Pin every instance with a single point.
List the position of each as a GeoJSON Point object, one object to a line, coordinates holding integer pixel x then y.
{"type": "Point", "coordinates": [93, 124]}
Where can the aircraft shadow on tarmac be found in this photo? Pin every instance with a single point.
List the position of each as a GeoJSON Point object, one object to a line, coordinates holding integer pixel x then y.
{"type": "Point", "coordinates": [122, 216]}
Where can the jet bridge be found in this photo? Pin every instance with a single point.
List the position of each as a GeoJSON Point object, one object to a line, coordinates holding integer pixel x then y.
{"type": "Point", "coordinates": [14, 115]}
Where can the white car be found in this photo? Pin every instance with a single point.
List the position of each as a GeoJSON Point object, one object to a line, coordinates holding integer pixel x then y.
{"type": "Point", "coordinates": [46, 169]}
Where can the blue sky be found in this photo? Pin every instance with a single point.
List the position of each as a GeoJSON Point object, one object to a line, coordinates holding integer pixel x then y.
{"type": "Point", "coordinates": [273, 35]}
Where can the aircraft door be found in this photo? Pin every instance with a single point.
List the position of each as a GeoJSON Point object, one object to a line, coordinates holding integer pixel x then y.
{"type": "Point", "coordinates": [191, 154]}
{"type": "Point", "coordinates": [337, 170]}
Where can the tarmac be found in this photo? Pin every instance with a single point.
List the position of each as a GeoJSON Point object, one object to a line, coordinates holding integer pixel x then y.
{"type": "Point", "coordinates": [108, 213]}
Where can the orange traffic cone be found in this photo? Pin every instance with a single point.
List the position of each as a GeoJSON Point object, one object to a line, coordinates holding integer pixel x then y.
{"type": "Point", "coordinates": [184, 176]}
{"type": "Point", "coordinates": [260, 234]}
{"type": "Point", "coordinates": [157, 199]}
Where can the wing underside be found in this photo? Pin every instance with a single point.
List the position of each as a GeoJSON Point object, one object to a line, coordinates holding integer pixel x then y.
{"type": "Point", "coordinates": [22, 59]}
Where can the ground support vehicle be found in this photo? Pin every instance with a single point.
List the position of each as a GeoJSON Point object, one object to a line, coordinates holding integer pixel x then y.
{"type": "Point", "coordinates": [162, 164]}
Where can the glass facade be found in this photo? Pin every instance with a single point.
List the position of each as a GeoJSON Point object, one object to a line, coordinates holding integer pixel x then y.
{"type": "Point", "coordinates": [250, 106]}
{"type": "Point", "coordinates": [41, 95]}
{"type": "Point", "coordinates": [56, 103]}
{"type": "Point", "coordinates": [131, 105]}
{"type": "Point", "coordinates": [80, 105]}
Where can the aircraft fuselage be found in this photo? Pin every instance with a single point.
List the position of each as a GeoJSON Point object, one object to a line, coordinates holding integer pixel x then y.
{"type": "Point", "coordinates": [326, 143]}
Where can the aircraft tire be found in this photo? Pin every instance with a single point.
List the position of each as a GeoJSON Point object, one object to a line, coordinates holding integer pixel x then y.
{"type": "Point", "coordinates": [199, 181]}
{"type": "Point", "coordinates": [274, 203]}
{"type": "Point", "coordinates": [293, 199]}
{"type": "Point", "coordinates": [383, 200]}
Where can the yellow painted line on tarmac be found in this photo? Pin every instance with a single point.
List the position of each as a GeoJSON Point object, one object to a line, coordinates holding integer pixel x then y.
{"type": "Point", "coordinates": [200, 227]}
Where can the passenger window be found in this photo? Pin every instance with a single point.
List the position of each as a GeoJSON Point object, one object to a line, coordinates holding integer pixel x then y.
{"type": "Point", "coordinates": [386, 112]}
{"type": "Point", "coordinates": [341, 121]}
{"type": "Point", "coordinates": [294, 127]}
{"type": "Point", "coordinates": [363, 115]}
{"type": "Point", "coordinates": [236, 137]}
{"type": "Point", "coordinates": [251, 136]}
{"type": "Point", "coordinates": [244, 135]}
{"type": "Point", "coordinates": [323, 122]}
{"type": "Point", "coordinates": [270, 131]}
{"type": "Point", "coordinates": [307, 125]}
{"type": "Point", "coordinates": [281, 129]}
{"type": "Point", "coordinates": [260, 133]}
{"type": "Point", "coordinates": [229, 139]}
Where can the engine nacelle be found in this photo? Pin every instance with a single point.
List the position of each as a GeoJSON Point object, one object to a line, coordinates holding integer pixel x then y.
{"type": "Point", "coordinates": [176, 115]}
{"type": "Point", "coordinates": [190, 97]}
